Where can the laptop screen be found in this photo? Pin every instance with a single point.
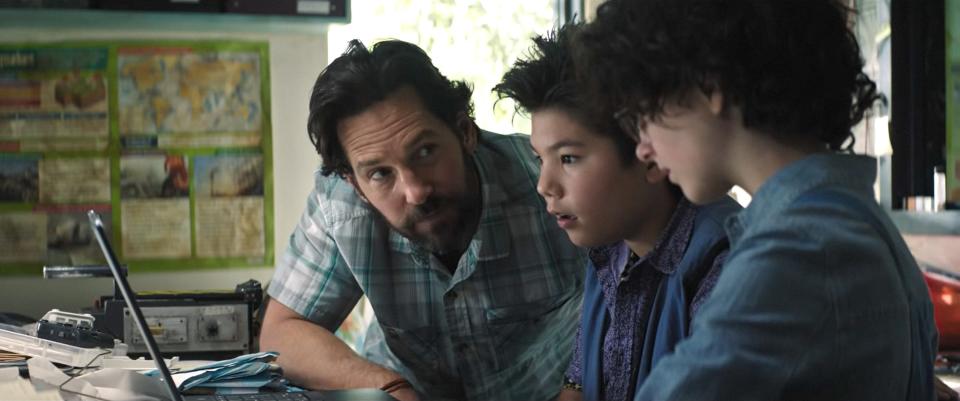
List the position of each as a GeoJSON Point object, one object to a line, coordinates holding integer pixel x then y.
{"type": "Point", "coordinates": [128, 296]}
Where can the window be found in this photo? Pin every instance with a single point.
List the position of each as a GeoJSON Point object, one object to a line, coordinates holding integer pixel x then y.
{"type": "Point", "coordinates": [471, 40]}
{"type": "Point", "coordinates": [872, 21]}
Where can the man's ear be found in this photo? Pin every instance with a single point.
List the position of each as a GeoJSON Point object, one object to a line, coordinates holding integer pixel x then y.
{"type": "Point", "coordinates": [715, 102]}
{"type": "Point", "coordinates": [353, 182]}
{"type": "Point", "coordinates": [654, 173]}
{"type": "Point", "coordinates": [468, 132]}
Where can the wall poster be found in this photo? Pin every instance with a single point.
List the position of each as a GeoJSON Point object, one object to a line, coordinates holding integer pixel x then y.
{"type": "Point", "coordinates": [169, 140]}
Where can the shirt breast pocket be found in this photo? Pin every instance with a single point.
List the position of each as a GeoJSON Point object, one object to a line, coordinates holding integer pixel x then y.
{"type": "Point", "coordinates": [414, 347]}
{"type": "Point", "coordinates": [516, 328]}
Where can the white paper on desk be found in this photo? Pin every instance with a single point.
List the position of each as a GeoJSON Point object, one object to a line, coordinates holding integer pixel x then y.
{"type": "Point", "coordinates": [20, 389]}
{"type": "Point", "coordinates": [126, 384]}
{"type": "Point", "coordinates": [112, 384]}
{"type": "Point", "coordinates": [179, 378]}
{"type": "Point", "coordinates": [14, 387]}
{"type": "Point", "coordinates": [10, 373]}
{"type": "Point", "coordinates": [42, 372]}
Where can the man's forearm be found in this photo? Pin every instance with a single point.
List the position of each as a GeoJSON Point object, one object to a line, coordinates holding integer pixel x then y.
{"type": "Point", "coordinates": [313, 357]}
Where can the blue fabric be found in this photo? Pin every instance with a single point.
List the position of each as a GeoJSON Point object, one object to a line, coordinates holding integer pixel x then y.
{"type": "Point", "coordinates": [813, 304]}
{"type": "Point", "coordinates": [629, 287]}
{"type": "Point", "coordinates": [920, 366]}
{"type": "Point", "coordinates": [669, 317]}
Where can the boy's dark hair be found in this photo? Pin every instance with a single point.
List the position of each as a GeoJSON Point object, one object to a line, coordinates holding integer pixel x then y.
{"type": "Point", "coordinates": [546, 79]}
{"type": "Point", "coordinates": [360, 78]}
{"type": "Point", "coordinates": [793, 67]}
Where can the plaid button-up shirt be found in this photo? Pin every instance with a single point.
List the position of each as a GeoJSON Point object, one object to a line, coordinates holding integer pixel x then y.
{"type": "Point", "coordinates": [500, 327]}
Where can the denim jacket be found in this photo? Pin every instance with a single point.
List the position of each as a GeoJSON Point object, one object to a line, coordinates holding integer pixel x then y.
{"type": "Point", "coordinates": [812, 304]}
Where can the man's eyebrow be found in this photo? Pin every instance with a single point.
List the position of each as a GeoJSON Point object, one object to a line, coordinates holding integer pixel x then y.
{"type": "Point", "coordinates": [419, 138]}
{"type": "Point", "coordinates": [367, 163]}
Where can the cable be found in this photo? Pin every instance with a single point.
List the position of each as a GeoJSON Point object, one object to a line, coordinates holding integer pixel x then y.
{"type": "Point", "coordinates": [60, 387]}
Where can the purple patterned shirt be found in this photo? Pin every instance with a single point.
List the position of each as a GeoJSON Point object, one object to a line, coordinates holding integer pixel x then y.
{"type": "Point", "coordinates": [627, 296]}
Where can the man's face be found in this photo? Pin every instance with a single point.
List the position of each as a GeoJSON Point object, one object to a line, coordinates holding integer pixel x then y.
{"type": "Point", "coordinates": [596, 198]}
{"type": "Point", "coordinates": [414, 170]}
{"type": "Point", "coordinates": [690, 143]}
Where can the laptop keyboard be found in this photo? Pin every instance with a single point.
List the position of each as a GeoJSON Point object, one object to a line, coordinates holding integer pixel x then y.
{"type": "Point", "coordinates": [254, 397]}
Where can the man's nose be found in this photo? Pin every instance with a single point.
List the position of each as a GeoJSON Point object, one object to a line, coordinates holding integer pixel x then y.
{"type": "Point", "coordinates": [416, 189]}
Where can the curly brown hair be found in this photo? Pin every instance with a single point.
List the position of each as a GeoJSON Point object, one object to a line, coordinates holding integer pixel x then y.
{"type": "Point", "coordinates": [793, 67]}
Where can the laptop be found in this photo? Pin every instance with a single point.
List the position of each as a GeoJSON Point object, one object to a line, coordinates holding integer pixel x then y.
{"type": "Point", "coordinates": [128, 296]}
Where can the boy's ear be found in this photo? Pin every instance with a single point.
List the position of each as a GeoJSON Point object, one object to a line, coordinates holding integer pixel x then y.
{"type": "Point", "coordinates": [654, 174]}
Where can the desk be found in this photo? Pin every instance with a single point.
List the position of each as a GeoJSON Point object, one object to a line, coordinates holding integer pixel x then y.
{"type": "Point", "coordinates": [952, 380]}
{"type": "Point", "coordinates": [12, 386]}
{"type": "Point", "coordinates": [329, 395]}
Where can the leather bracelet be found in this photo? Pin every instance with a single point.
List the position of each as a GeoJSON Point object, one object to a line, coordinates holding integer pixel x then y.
{"type": "Point", "coordinates": [395, 385]}
{"type": "Point", "coordinates": [572, 385]}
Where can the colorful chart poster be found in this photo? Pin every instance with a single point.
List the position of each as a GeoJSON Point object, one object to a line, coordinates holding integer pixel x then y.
{"type": "Point", "coordinates": [54, 99]}
{"type": "Point", "coordinates": [168, 141]}
{"type": "Point", "coordinates": [229, 203]}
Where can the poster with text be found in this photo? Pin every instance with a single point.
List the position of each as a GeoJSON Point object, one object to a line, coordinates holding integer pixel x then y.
{"type": "Point", "coordinates": [169, 141]}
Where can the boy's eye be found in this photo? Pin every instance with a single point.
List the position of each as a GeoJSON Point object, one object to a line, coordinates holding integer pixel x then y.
{"type": "Point", "coordinates": [568, 159]}
{"type": "Point", "coordinates": [538, 159]}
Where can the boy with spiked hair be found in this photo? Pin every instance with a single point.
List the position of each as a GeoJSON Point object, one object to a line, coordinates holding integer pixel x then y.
{"type": "Point", "coordinates": [654, 256]}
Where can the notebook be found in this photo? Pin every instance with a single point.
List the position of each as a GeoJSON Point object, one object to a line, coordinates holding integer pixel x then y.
{"type": "Point", "coordinates": [124, 286]}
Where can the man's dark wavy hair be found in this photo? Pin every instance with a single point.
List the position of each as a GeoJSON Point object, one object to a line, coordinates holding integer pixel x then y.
{"type": "Point", "coordinates": [361, 77]}
{"type": "Point", "coordinates": [546, 78]}
{"type": "Point", "coordinates": [792, 66]}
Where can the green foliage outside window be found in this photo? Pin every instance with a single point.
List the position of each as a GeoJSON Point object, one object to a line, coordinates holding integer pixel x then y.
{"type": "Point", "coordinates": [471, 40]}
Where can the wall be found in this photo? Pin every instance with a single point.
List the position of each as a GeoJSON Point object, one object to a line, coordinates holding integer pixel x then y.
{"type": "Point", "coordinates": [297, 55]}
{"type": "Point", "coordinates": [953, 99]}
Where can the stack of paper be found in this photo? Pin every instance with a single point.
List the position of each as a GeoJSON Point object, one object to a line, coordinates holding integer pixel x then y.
{"type": "Point", "coordinates": [7, 357]}
{"type": "Point", "coordinates": [13, 387]}
{"type": "Point", "coordinates": [244, 374]}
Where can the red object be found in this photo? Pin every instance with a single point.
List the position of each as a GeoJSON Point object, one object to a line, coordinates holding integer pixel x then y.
{"type": "Point", "coordinates": [9, 146]}
{"type": "Point", "coordinates": [945, 293]}
{"type": "Point", "coordinates": [20, 94]}
{"type": "Point", "coordinates": [176, 169]}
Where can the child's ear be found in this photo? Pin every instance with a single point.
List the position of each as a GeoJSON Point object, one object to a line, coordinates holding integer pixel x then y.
{"type": "Point", "coordinates": [654, 174]}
